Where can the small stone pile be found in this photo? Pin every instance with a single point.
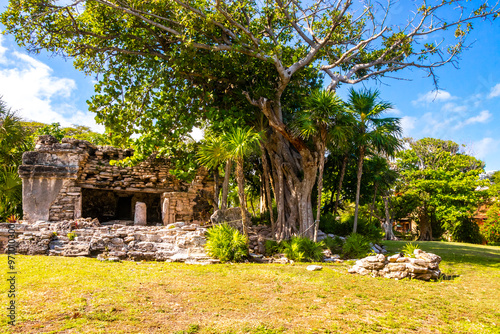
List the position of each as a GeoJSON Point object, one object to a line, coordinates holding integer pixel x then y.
{"type": "Point", "coordinates": [424, 266]}
{"type": "Point", "coordinates": [176, 242]}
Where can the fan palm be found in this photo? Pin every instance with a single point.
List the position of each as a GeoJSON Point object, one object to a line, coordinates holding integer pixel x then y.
{"type": "Point", "coordinates": [212, 154]}
{"type": "Point", "coordinates": [323, 120]}
{"type": "Point", "coordinates": [373, 132]}
{"type": "Point", "coordinates": [239, 142]}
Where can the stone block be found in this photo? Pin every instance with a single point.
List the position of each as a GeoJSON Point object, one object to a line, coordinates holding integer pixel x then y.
{"type": "Point", "coordinates": [140, 217]}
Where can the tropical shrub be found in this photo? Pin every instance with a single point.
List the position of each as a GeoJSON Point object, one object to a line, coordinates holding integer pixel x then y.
{"type": "Point", "coordinates": [491, 227]}
{"type": "Point", "coordinates": [344, 226]}
{"type": "Point", "coordinates": [272, 247]}
{"type": "Point", "coordinates": [226, 243]}
{"type": "Point", "coordinates": [303, 249]}
{"type": "Point", "coordinates": [334, 244]}
{"type": "Point", "coordinates": [409, 249]}
{"type": "Point", "coordinates": [356, 246]}
{"type": "Point", "coordinates": [466, 230]}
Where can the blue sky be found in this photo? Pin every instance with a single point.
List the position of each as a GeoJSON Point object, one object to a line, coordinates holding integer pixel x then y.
{"type": "Point", "coordinates": [464, 109]}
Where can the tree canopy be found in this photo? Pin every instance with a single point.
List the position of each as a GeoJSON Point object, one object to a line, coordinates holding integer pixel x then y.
{"type": "Point", "coordinates": [439, 182]}
{"type": "Point", "coordinates": [165, 67]}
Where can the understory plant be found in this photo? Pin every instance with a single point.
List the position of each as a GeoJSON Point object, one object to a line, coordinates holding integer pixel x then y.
{"type": "Point", "coordinates": [226, 244]}
{"type": "Point", "coordinates": [303, 249]}
{"type": "Point", "coordinates": [466, 230]}
{"type": "Point", "coordinates": [334, 244]}
{"type": "Point", "coordinates": [491, 226]}
{"type": "Point", "coordinates": [356, 246]}
{"type": "Point", "coordinates": [409, 249]}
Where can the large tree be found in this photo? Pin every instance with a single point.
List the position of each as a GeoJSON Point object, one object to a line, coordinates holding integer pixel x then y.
{"type": "Point", "coordinates": [183, 58]}
{"type": "Point", "coordinates": [438, 181]}
{"type": "Point", "coordinates": [373, 133]}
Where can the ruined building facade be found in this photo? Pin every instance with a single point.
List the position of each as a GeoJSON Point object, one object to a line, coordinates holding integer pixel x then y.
{"type": "Point", "coordinates": [74, 179]}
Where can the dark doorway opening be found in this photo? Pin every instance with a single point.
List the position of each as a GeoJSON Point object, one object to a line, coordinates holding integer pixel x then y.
{"type": "Point", "coordinates": [108, 205]}
{"type": "Point", "coordinates": [124, 208]}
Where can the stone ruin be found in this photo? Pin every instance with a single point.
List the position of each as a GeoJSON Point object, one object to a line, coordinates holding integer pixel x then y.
{"type": "Point", "coordinates": [424, 266]}
{"type": "Point", "coordinates": [178, 242]}
{"type": "Point", "coordinates": [74, 179]}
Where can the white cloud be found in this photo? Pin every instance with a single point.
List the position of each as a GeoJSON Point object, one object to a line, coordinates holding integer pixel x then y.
{"type": "Point", "coordinates": [408, 124]}
{"type": "Point", "coordinates": [434, 96]}
{"type": "Point", "coordinates": [485, 147]}
{"type": "Point", "coordinates": [452, 107]}
{"type": "Point", "coordinates": [30, 87]}
{"type": "Point", "coordinates": [495, 91]}
{"type": "Point", "coordinates": [394, 111]}
{"type": "Point", "coordinates": [483, 117]}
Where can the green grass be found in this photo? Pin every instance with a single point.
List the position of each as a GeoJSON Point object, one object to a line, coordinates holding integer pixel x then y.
{"type": "Point", "coordinates": [81, 295]}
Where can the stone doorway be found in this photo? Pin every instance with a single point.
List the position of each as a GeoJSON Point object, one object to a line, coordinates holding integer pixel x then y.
{"type": "Point", "coordinates": [108, 205]}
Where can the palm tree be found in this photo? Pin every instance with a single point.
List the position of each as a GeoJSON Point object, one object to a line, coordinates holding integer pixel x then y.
{"type": "Point", "coordinates": [239, 142]}
{"type": "Point", "coordinates": [212, 154]}
{"type": "Point", "coordinates": [373, 132]}
{"type": "Point", "coordinates": [323, 120]}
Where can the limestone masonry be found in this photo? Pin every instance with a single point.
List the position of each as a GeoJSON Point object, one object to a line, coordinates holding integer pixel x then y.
{"type": "Point", "coordinates": [74, 179]}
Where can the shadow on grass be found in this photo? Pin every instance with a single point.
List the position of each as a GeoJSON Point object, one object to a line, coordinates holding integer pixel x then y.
{"type": "Point", "coordinates": [453, 252]}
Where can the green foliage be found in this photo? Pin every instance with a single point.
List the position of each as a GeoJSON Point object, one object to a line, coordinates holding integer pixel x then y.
{"type": "Point", "coordinates": [53, 130]}
{"type": "Point", "coordinates": [356, 246]}
{"type": "Point", "coordinates": [273, 247]}
{"type": "Point", "coordinates": [344, 226]}
{"type": "Point", "coordinates": [226, 244]}
{"type": "Point", "coordinates": [491, 226]}
{"type": "Point", "coordinates": [439, 181]}
{"type": "Point", "coordinates": [303, 249]}
{"type": "Point", "coordinates": [409, 249]}
{"type": "Point", "coordinates": [334, 244]}
{"type": "Point", "coordinates": [466, 230]}
{"type": "Point", "coordinates": [71, 236]}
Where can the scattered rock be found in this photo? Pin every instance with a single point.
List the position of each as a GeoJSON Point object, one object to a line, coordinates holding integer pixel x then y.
{"type": "Point", "coordinates": [424, 266]}
{"type": "Point", "coordinates": [314, 268]}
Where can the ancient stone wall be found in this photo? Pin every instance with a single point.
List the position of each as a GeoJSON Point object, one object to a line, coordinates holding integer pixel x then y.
{"type": "Point", "coordinates": [177, 242]}
{"type": "Point", "coordinates": [74, 179]}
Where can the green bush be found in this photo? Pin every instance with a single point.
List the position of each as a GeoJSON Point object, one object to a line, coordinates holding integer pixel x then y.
{"type": "Point", "coordinates": [272, 247]}
{"type": "Point", "coordinates": [226, 243]}
{"type": "Point", "coordinates": [334, 244]}
{"type": "Point", "coordinates": [71, 236]}
{"type": "Point", "coordinates": [303, 249]}
{"type": "Point", "coordinates": [491, 227]}
{"type": "Point", "coordinates": [466, 230]}
{"type": "Point", "coordinates": [356, 246]}
{"type": "Point", "coordinates": [344, 226]}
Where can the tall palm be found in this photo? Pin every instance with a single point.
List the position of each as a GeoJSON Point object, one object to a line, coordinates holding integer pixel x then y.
{"type": "Point", "coordinates": [373, 132]}
{"type": "Point", "coordinates": [212, 154]}
{"type": "Point", "coordinates": [323, 121]}
{"type": "Point", "coordinates": [239, 142]}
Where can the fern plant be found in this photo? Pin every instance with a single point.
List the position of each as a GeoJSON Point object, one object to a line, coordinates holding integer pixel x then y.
{"type": "Point", "coordinates": [226, 244]}
{"type": "Point", "coordinates": [334, 244]}
{"type": "Point", "coordinates": [303, 249]}
{"type": "Point", "coordinates": [355, 246]}
{"type": "Point", "coordinates": [409, 249]}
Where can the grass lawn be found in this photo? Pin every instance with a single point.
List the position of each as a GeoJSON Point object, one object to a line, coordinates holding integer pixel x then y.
{"type": "Point", "coordinates": [82, 295]}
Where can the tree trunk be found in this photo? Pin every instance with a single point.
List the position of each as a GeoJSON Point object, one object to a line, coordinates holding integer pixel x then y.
{"type": "Point", "coordinates": [358, 186]}
{"type": "Point", "coordinates": [294, 179]}
{"type": "Point", "coordinates": [373, 201]}
{"type": "Point", "coordinates": [262, 195]}
{"type": "Point", "coordinates": [424, 223]}
{"type": "Point", "coordinates": [225, 184]}
{"type": "Point", "coordinates": [389, 233]}
{"type": "Point", "coordinates": [321, 150]}
{"type": "Point", "coordinates": [240, 178]}
{"type": "Point", "coordinates": [216, 189]}
{"type": "Point", "coordinates": [339, 187]}
{"type": "Point", "coordinates": [267, 183]}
